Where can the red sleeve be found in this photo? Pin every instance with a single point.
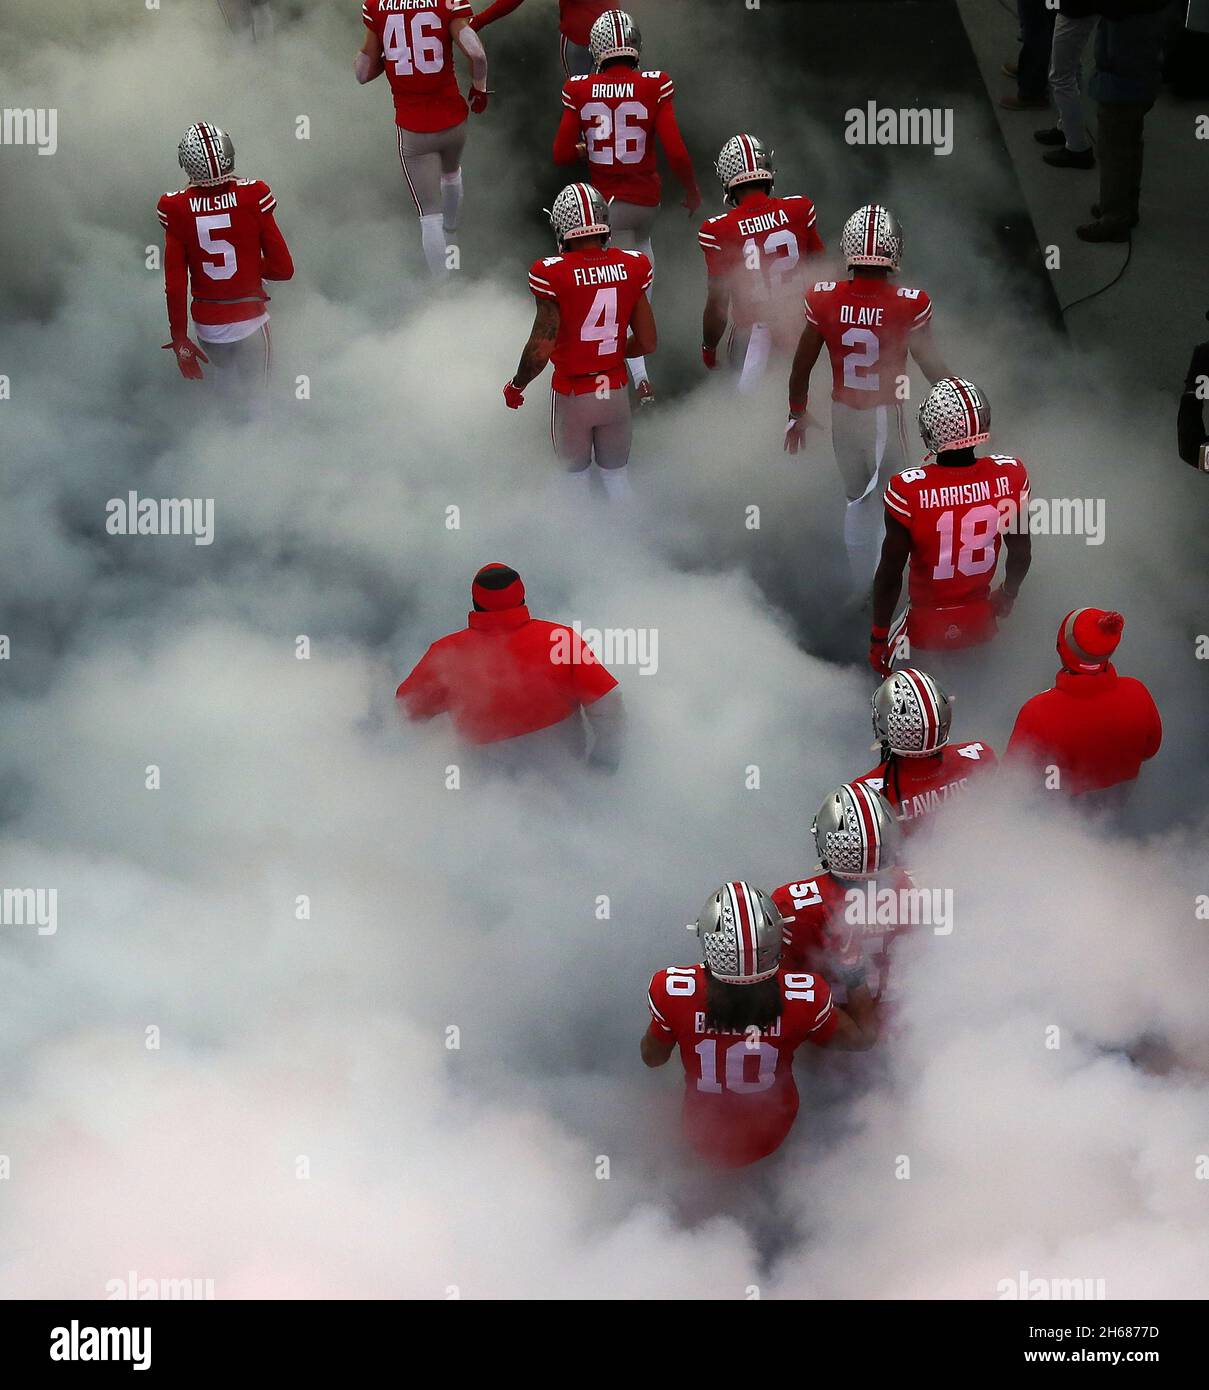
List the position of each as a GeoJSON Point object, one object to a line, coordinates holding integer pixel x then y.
{"type": "Point", "coordinates": [176, 285]}
{"type": "Point", "coordinates": [423, 693]}
{"type": "Point", "coordinates": [493, 12]}
{"type": "Point", "coordinates": [814, 242]}
{"type": "Point", "coordinates": [276, 262]}
{"type": "Point", "coordinates": [567, 138]}
{"type": "Point", "coordinates": [898, 500]}
{"type": "Point", "coordinates": [589, 678]}
{"type": "Point", "coordinates": [1026, 735]}
{"type": "Point", "coordinates": [541, 281]}
{"type": "Point", "coordinates": [656, 997]}
{"type": "Point", "coordinates": [826, 1021]}
{"type": "Point", "coordinates": [674, 147]}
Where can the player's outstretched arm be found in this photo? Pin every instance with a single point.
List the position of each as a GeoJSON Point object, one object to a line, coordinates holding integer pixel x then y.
{"type": "Point", "coordinates": [494, 12]}
{"type": "Point", "coordinates": [644, 336]}
{"type": "Point", "coordinates": [714, 320]}
{"type": "Point", "coordinates": [656, 1051]}
{"type": "Point", "coordinates": [472, 46]}
{"type": "Point", "coordinates": [369, 63]}
{"type": "Point", "coordinates": [859, 1024]}
{"type": "Point", "coordinates": [927, 354]}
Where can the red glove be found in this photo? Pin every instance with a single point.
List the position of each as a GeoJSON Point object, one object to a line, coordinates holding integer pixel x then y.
{"type": "Point", "coordinates": [709, 356]}
{"type": "Point", "coordinates": [477, 100]}
{"type": "Point", "coordinates": [1002, 602]}
{"type": "Point", "coordinates": [879, 650]}
{"type": "Point", "coordinates": [514, 397]}
{"type": "Point", "coordinates": [188, 357]}
{"type": "Point", "coordinates": [691, 200]}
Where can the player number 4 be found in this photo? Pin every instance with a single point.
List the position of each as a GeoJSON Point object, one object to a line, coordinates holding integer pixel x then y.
{"type": "Point", "coordinates": [600, 326]}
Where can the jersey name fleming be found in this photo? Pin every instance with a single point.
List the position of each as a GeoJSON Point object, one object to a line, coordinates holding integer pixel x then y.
{"type": "Point", "coordinates": [961, 493]}
{"type": "Point", "coordinates": [612, 89]}
{"type": "Point", "coordinates": [862, 315]}
{"type": "Point", "coordinates": [223, 200]}
{"type": "Point", "coordinates": [772, 1031]}
{"type": "Point", "coordinates": [601, 274]}
{"type": "Point", "coordinates": [764, 222]}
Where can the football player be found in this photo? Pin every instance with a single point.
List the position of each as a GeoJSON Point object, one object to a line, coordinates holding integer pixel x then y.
{"type": "Point", "coordinates": [414, 46]}
{"type": "Point", "coordinates": [756, 260]}
{"type": "Point", "coordinates": [868, 325]}
{"type": "Point", "coordinates": [948, 518]}
{"type": "Point", "coordinates": [920, 770]}
{"type": "Point", "coordinates": [738, 1018]}
{"type": "Point", "coordinates": [222, 241]}
{"type": "Point", "coordinates": [575, 20]}
{"type": "Point", "coordinates": [858, 841]}
{"type": "Point", "coordinates": [592, 313]}
{"type": "Point", "coordinates": [614, 120]}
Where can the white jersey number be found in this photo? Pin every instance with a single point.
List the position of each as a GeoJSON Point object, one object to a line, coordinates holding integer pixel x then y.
{"type": "Point", "coordinates": [616, 136]}
{"type": "Point", "coordinates": [425, 52]}
{"type": "Point", "coordinates": [856, 363]}
{"type": "Point", "coordinates": [600, 326]}
{"type": "Point", "coordinates": [780, 257]}
{"type": "Point", "coordinates": [735, 1067]}
{"type": "Point", "coordinates": [976, 543]}
{"type": "Point", "coordinates": [206, 226]}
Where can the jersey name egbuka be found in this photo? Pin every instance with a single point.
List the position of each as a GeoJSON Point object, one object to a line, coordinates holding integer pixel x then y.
{"type": "Point", "coordinates": [601, 274]}
{"type": "Point", "coordinates": [765, 222]}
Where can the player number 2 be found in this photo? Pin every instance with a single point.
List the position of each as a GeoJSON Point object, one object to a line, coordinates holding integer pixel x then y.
{"type": "Point", "coordinates": [735, 1067]}
{"type": "Point", "coordinates": [425, 53]}
{"type": "Point", "coordinates": [976, 551]}
{"type": "Point", "coordinates": [616, 135]}
{"type": "Point", "coordinates": [206, 227]}
{"type": "Point", "coordinates": [857, 363]}
{"type": "Point", "coordinates": [600, 326]}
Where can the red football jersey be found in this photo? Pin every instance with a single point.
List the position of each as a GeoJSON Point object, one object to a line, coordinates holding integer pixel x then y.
{"type": "Point", "coordinates": [866, 323]}
{"type": "Point", "coordinates": [596, 291]}
{"type": "Point", "coordinates": [916, 787]}
{"type": "Point", "coordinates": [227, 238]}
{"type": "Point", "coordinates": [956, 516]}
{"type": "Point", "coordinates": [740, 1098]}
{"type": "Point", "coordinates": [616, 112]}
{"type": "Point", "coordinates": [759, 249]}
{"type": "Point", "coordinates": [418, 52]}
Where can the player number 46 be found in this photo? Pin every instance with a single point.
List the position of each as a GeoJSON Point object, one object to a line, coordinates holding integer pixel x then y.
{"type": "Point", "coordinates": [425, 52]}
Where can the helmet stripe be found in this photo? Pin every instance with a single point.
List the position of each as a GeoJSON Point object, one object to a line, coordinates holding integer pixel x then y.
{"type": "Point", "coordinates": [745, 933]}
{"type": "Point", "coordinates": [870, 824]}
{"type": "Point", "coordinates": [871, 229]}
{"type": "Point", "coordinates": [969, 402]}
{"type": "Point", "coordinates": [211, 154]}
{"type": "Point", "coordinates": [928, 707]}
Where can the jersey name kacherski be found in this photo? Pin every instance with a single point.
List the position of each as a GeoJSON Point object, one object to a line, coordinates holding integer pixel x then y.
{"type": "Point", "coordinates": [386, 6]}
{"type": "Point", "coordinates": [763, 222]}
{"type": "Point", "coordinates": [601, 274]}
{"type": "Point", "coordinates": [772, 1031]}
{"type": "Point", "coordinates": [222, 200]}
{"type": "Point", "coordinates": [955, 496]}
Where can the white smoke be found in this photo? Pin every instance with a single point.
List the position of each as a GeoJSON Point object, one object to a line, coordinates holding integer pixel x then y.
{"type": "Point", "coordinates": [304, 1126]}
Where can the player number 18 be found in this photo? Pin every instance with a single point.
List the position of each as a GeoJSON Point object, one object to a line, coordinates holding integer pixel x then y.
{"type": "Point", "coordinates": [976, 551]}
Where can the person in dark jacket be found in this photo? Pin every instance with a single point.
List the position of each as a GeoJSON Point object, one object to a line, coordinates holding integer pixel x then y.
{"type": "Point", "coordinates": [1190, 423]}
{"type": "Point", "coordinates": [1129, 59]}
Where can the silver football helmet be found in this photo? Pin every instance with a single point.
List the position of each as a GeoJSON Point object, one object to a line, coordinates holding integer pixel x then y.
{"type": "Point", "coordinates": [740, 932]}
{"type": "Point", "coordinates": [206, 154]}
{"type": "Point", "coordinates": [855, 832]}
{"type": "Point", "coordinates": [954, 415]}
{"type": "Point", "coordinates": [872, 236]}
{"type": "Point", "coordinates": [579, 210]}
{"type": "Point", "coordinates": [614, 35]}
{"type": "Point", "coordinates": [744, 159]}
{"type": "Point", "coordinates": [911, 714]}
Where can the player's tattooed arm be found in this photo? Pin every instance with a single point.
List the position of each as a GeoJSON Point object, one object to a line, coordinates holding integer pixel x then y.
{"type": "Point", "coordinates": [888, 581]}
{"type": "Point", "coordinates": [542, 338]}
{"type": "Point", "coordinates": [656, 1051]}
{"type": "Point", "coordinates": [713, 321]}
{"type": "Point", "coordinates": [644, 336]}
{"type": "Point", "coordinates": [858, 1022]}
{"type": "Point", "coordinates": [927, 354]}
{"type": "Point", "coordinates": [369, 62]}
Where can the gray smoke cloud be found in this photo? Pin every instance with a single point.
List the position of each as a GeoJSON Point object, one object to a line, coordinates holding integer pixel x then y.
{"type": "Point", "coordinates": [302, 911]}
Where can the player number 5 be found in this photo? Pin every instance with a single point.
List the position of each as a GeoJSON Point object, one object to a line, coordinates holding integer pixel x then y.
{"type": "Point", "coordinates": [206, 226]}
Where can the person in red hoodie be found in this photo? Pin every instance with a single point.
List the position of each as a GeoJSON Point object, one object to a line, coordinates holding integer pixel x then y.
{"type": "Point", "coordinates": [507, 675]}
{"type": "Point", "coordinates": [1094, 728]}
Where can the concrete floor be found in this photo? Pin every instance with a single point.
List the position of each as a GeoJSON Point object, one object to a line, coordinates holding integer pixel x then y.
{"type": "Point", "coordinates": [1147, 323]}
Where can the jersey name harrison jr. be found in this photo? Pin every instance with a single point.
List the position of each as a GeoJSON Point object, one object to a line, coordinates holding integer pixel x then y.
{"type": "Point", "coordinates": [601, 274]}
{"type": "Point", "coordinates": [961, 493]}
{"type": "Point", "coordinates": [762, 222]}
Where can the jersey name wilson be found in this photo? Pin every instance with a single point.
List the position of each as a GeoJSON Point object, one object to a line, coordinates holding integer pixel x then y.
{"type": "Point", "coordinates": [223, 200]}
{"type": "Point", "coordinates": [601, 274]}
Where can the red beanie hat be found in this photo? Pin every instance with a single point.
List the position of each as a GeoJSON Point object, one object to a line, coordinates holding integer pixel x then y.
{"type": "Point", "coordinates": [1088, 637]}
{"type": "Point", "coordinates": [495, 587]}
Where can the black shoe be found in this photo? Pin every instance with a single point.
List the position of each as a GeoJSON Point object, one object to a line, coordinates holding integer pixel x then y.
{"type": "Point", "coordinates": [1070, 159]}
{"type": "Point", "coordinates": [1103, 231]}
{"type": "Point", "coordinates": [1095, 212]}
{"type": "Point", "coordinates": [1052, 136]}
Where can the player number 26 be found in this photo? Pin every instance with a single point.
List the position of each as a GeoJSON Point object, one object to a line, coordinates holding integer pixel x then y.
{"type": "Point", "coordinates": [618, 136]}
